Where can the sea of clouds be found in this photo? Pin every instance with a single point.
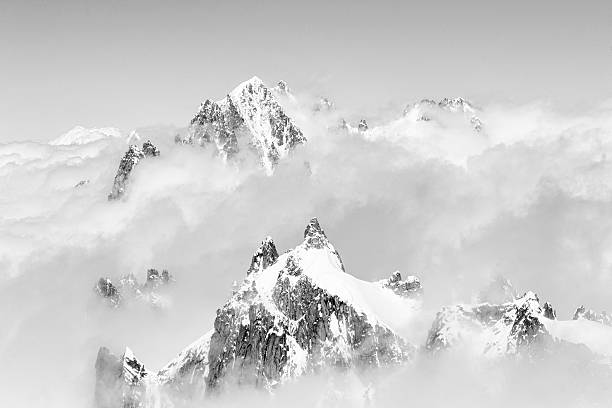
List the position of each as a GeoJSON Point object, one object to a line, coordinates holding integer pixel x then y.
{"type": "Point", "coordinates": [528, 198]}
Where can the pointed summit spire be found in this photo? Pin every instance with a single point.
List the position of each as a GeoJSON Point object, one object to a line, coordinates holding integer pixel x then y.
{"type": "Point", "coordinates": [265, 256]}
{"type": "Point", "coordinates": [314, 235]}
{"type": "Point", "coordinates": [133, 369]}
{"type": "Point", "coordinates": [549, 312]}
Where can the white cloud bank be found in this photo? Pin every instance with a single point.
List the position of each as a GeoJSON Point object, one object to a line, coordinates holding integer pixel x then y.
{"type": "Point", "coordinates": [530, 198]}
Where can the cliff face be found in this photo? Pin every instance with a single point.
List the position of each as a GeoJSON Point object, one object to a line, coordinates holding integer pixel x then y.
{"type": "Point", "coordinates": [127, 164]}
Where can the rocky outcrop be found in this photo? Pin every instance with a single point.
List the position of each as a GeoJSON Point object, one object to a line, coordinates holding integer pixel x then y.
{"type": "Point", "coordinates": [120, 381]}
{"type": "Point", "coordinates": [249, 118]}
{"type": "Point", "coordinates": [105, 289]}
{"type": "Point", "coordinates": [131, 158]}
{"type": "Point", "coordinates": [156, 279]}
{"type": "Point", "coordinates": [501, 329]}
{"type": "Point", "coordinates": [265, 256]}
{"type": "Point", "coordinates": [549, 312]}
{"type": "Point", "coordinates": [428, 110]}
{"type": "Point", "coordinates": [409, 287]}
{"type": "Point", "coordinates": [362, 126]}
{"type": "Point", "coordinates": [128, 289]}
{"type": "Point", "coordinates": [588, 314]}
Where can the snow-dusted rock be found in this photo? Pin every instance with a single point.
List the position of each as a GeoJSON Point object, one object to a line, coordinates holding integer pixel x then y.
{"type": "Point", "coordinates": [105, 289]}
{"type": "Point", "coordinates": [409, 287]}
{"type": "Point", "coordinates": [120, 381]}
{"type": "Point", "coordinates": [293, 314]}
{"type": "Point", "coordinates": [265, 256]}
{"type": "Point", "coordinates": [128, 289]}
{"type": "Point", "coordinates": [131, 158]}
{"type": "Point", "coordinates": [549, 312]}
{"type": "Point", "coordinates": [588, 314]}
{"type": "Point", "coordinates": [250, 117]}
{"type": "Point", "coordinates": [427, 110]}
{"type": "Point", "coordinates": [296, 316]}
{"type": "Point", "coordinates": [362, 126]}
{"type": "Point", "coordinates": [491, 329]}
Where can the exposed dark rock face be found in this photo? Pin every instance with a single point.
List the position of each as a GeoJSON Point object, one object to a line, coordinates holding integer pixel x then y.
{"type": "Point", "coordinates": [253, 346]}
{"type": "Point", "coordinates": [265, 256]}
{"type": "Point", "coordinates": [527, 329]}
{"type": "Point", "coordinates": [549, 312]}
{"type": "Point", "coordinates": [131, 158]}
{"type": "Point", "coordinates": [314, 235]}
{"type": "Point", "coordinates": [409, 287]}
{"type": "Point", "coordinates": [588, 314]}
{"type": "Point", "coordinates": [251, 113]}
{"type": "Point", "coordinates": [155, 279]}
{"type": "Point", "coordinates": [105, 288]}
{"type": "Point", "coordinates": [128, 288]}
{"type": "Point", "coordinates": [119, 381]}
{"type": "Point", "coordinates": [522, 317]}
{"type": "Point", "coordinates": [363, 125]}
{"type": "Point", "coordinates": [217, 123]}
{"type": "Point", "coordinates": [149, 150]}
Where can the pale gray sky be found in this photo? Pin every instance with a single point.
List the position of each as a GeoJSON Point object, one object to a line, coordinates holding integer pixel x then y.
{"type": "Point", "coordinates": [138, 63]}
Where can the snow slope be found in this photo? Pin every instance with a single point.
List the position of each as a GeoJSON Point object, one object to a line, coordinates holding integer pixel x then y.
{"type": "Point", "coordinates": [80, 135]}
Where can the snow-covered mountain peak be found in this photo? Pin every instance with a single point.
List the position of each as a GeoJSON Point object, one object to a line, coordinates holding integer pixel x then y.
{"type": "Point", "coordinates": [248, 118]}
{"type": "Point", "coordinates": [491, 329]}
{"type": "Point", "coordinates": [293, 314]}
{"type": "Point", "coordinates": [251, 86]}
{"type": "Point", "coordinates": [314, 235]}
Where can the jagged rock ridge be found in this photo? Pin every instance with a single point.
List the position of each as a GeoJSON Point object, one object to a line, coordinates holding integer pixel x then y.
{"type": "Point", "coordinates": [267, 334]}
{"type": "Point", "coordinates": [428, 109]}
{"type": "Point", "coordinates": [588, 314]}
{"type": "Point", "coordinates": [500, 329]}
{"type": "Point", "coordinates": [294, 313]}
{"type": "Point", "coordinates": [250, 113]}
{"type": "Point", "coordinates": [131, 158]}
{"type": "Point", "coordinates": [411, 286]}
{"type": "Point", "coordinates": [128, 288]}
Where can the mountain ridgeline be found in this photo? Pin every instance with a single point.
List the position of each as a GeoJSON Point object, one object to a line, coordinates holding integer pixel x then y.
{"type": "Point", "coordinates": [293, 314]}
{"type": "Point", "coordinates": [300, 312]}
